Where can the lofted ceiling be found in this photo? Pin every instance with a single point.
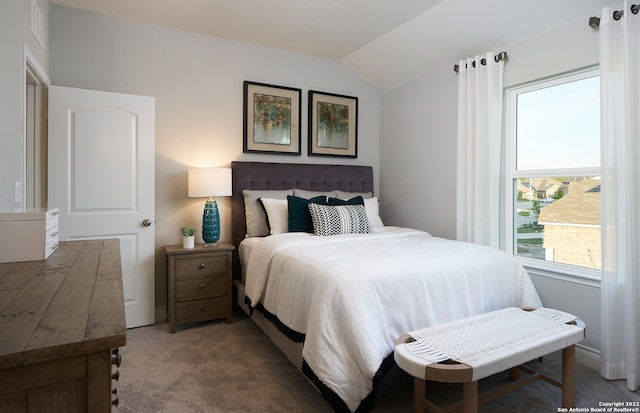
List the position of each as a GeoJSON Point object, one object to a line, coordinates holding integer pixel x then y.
{"type": "Point", "coordinates": [387, 42]}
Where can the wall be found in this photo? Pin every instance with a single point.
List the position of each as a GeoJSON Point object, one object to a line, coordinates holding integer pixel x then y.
{"type": "Point", "coordinates": [15, 33]}
{"type": "Point", "coordinates": [418, 152]}
{"type": "Point", "coordinates": [197, 83]}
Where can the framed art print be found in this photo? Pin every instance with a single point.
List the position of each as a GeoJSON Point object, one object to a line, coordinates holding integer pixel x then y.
{"type": "Point", "coordinates": [271, 119]}
{"type": "Point", "coordinates": [333, 125]}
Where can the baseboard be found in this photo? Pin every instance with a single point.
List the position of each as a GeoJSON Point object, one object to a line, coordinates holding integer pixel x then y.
{"type": "Point", "coordinates": [588, 356]}
{"type": "Point", "coordinates": [161, 314]}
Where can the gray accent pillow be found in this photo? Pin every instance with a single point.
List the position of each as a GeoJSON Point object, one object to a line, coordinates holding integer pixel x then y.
{"type": "Point", "coordinates": [303, 193]}
{"type": "Point", "coordinates": [349, 195]}
{"type": "Point", "coordinates": [256, 218]}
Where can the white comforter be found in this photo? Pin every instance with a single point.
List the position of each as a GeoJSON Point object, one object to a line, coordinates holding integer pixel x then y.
{"type": "Point", "coordinates": [354, 295]}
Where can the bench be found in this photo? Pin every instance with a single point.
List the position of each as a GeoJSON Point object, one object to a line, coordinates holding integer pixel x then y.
{"type": "Point", "coordinates": [467, 350]}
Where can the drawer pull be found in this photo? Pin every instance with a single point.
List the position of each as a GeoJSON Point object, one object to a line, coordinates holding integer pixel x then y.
{"type": "Point", "coordinates": [114, 391]}
{"type": "Point", "coordinates": [202, 285]}
{"type": "Point", "coordinates": [115, 376]}
{"type": "Point", "coordinates": [115, 351]}
{"type": "Point", "coordinates": [117, 359]}
{"type": "Point", "coordinates": [202, 308]}
{"type": "Point", "coordinates": [115, 402]}
{"type": "Point", "coordinates": [202, 265]}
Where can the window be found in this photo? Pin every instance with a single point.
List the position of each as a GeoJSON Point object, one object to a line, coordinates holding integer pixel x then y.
{"type": "Point", "coordinates": [553, 171]}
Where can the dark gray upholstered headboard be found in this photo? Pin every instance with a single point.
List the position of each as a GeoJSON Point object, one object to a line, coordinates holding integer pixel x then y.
{"type": "Point", "coordinates": [311, 177]}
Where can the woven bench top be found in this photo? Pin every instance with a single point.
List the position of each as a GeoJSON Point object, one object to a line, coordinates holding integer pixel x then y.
{"type": "Point", "coordinates": [489, 343]}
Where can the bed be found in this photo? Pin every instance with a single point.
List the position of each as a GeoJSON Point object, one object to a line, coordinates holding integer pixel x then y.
{"type": "Point", "coordinates": [335, 304]}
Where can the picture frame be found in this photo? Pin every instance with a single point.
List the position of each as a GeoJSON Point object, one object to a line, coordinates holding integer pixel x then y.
{"type": "Point", "coordinates": [333, 125]}
{"type": "Point", "coordinates": [272, 119]}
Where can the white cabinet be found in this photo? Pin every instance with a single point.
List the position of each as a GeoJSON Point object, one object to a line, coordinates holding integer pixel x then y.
{"type": "Point", "coordinates": [28, 235]}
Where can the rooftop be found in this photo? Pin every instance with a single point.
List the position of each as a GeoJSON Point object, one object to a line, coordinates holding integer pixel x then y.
{"type": "Point", "coordinates": [580, 205]}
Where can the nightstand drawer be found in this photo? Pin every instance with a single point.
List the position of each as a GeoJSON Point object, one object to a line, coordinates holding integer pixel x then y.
{"type": "Point", "coordinates": [201, 287]}
{"type": "Point", "coordinates": [208, 307]}
{"type": "Point", "coordinates": [198, 265]}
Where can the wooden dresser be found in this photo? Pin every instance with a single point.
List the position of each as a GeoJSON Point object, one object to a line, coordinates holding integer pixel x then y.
{"type": "Point", "coordinates": [61, 323]}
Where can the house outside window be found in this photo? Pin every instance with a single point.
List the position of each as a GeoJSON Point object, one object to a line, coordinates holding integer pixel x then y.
{"type": "Point", "coordinates": [553, 172]}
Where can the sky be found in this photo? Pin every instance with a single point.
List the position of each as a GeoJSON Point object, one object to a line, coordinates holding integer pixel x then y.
{"type": "Point", "coordinates": [559, 126]}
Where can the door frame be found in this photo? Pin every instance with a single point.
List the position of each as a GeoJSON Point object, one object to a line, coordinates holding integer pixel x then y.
{"type": "Point", "coordinates": [33, 173]}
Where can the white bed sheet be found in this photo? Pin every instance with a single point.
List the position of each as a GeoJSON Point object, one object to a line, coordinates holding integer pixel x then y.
{"type": "Point", "coordinates": [354, 295]}
{"type": "Point", "coordinates": [244, 252]}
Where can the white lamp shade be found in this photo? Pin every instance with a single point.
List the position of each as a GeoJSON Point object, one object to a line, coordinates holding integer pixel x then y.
{"type": "Point", "coordinates": [206, 182]}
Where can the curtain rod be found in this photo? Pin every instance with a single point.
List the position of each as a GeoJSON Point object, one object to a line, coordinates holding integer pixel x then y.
{"type": "Point", "coordinates": [500, 56]}
{"type": "Point", "coordinates": [594, 22]}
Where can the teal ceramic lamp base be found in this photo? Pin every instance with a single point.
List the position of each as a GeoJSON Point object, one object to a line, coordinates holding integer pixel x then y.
{"type": "Point", "coordinates": [210, 223]}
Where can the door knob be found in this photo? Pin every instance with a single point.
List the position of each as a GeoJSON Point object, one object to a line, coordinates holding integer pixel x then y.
{"type": "Point", "coordinates": [146, 222]}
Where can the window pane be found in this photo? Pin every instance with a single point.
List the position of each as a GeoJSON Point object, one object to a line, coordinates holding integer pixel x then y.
{"type": "Point", "coordinates": [558, 219]}
{"type": "Point", "coordinates": [559, 126]}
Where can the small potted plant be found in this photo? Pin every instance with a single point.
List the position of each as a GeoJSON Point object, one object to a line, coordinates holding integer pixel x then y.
{"type": "Point", "coordinates": [188, 233]}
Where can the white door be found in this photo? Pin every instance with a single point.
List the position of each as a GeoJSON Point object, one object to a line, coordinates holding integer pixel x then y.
{"type": "Point", "coordinates": [101, 175]}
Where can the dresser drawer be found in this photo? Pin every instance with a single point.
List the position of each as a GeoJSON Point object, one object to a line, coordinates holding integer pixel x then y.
{"type": "Point", "coordinates": [50, 248]}
{"type": "Point", "coordinates": [205, 308]}
{"type": "Point", "coordinates": [51, 240]}
{"type": "Point", "coordinates": [51, 235]}
{"type": "Point", "coordinates": [201, 287]}
{"type": "Point", "coordinates": [51, 219]}
{"type": "Point", "coordinates": [199, 265]}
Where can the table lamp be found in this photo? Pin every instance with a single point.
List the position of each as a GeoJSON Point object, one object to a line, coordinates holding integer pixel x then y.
{"type": "Point", "coordinates": [210, 182]}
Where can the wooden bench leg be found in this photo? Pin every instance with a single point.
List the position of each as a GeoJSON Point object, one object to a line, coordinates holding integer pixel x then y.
{"type": "Point", "coordinates": [569, 376]}
{"type": "Point", "coordinates": [470, 397]}
{"type": "Point", "coordinates": [419, 395]}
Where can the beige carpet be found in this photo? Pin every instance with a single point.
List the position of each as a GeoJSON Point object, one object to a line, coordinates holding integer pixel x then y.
{"type": "Point", "coordinates": [218, 367]}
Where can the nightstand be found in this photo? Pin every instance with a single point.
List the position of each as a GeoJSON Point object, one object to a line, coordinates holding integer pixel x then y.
{"type": "Point", "coordinates": [198, 283]}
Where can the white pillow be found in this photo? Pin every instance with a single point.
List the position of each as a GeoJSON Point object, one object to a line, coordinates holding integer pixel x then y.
{"type": "Point", "coordinates": [255, 216]}
{"type": "Point", "coordinates": [277, 215]}
{"type": "Point", "coordinates": [339, 219]}
{"type": "Point", "coordinates": [373, 214]}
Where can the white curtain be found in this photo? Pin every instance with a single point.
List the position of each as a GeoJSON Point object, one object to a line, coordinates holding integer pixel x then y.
{"type": "Point", "coordinates": [620, 124]}
{"type": "Point", "coordinates": [480, 91]}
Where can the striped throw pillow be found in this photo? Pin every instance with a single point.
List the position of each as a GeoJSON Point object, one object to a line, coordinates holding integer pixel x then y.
{"type": "Point", "coordinates": [341, 219]}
